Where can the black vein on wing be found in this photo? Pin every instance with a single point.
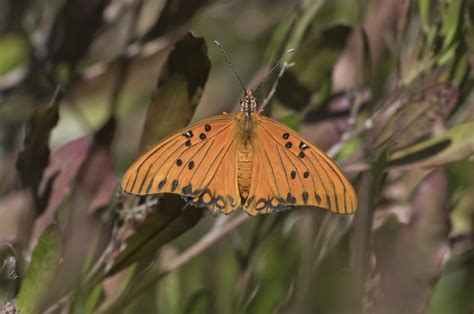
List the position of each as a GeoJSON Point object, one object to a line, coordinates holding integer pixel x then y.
{"type": "Point", "coordinates": [284, 170]}
{"type": "Point", "coordinates": [329, 179]}
{"type": "Point", "coordinates": [219, 157]}
{"type": "Point", "coordinates": [272, 171]}
{"type": "Point", "coordinates": [320, 155]}
{"type": "Point", "coordinates": [337, 172]}
{"type": "Point", "coordinates": [202, 159]}
{"type": "Point", "coordinates": [152, 162]}
{"type": "Point", "coordinates": [185, 149]}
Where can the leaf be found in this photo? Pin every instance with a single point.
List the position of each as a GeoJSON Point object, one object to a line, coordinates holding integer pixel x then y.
{"type": "Point", "coordinates": [74, 28]}
{"type": "Point", "coordinates": [456, 144]}
{"type": "Point", "coordinates": [62, 170]}
{"type": "Point", "coordinates": [453, 291]}
{"type": "Point", "coordinates": [453, 18]}
{"type": "Point", "coordinates": [179, 89]}
{"type": "Point", "coordinates": [41, 271]}
{"type": "Point", "coordinates": [89, 305]}
{"type": "Point", "coordinates": [175, 14]}
{"type": "Point", "coordinates": [13, 52]}
{"type": "Point", "coordinates": [410, 257]}
{"type": "Point", "coordinates": [8, 273]}
{"type": "Point", "coordinates": [164, 225]}
{"type": "Point", "coordinates": [34, 158]}
{"type": "Point", "coordinates": [424, 7]}
{"type": "Point", "coordinates": [314, 60]}
{"type": "Point", "coordinates": [407, 116]}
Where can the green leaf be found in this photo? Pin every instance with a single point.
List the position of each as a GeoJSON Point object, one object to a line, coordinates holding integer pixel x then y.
{"type": "Point", "coordinates": [453, 291]}
{"type": "Point", "coordinates": [456, 144]}
{"type": "Point", "coordinates": [424, 7]}
{"type": "Point", "coordinates": [292, 121]}
{"type": "Point", "coordinates": [41, 271]}
{"type": "Point", "coordinates": [93, 300]}
{"type": "Point", "coordinates": [164, 225]}
{"type": "Point", "coordinates": [13, 52]}
{"type": "Point", "coordinates": [451, 29]}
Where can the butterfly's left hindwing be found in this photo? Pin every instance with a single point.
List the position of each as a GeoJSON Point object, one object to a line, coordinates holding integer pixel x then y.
{"type": "Point", "coordinates": [197, 162]}
{"type": "Point", "coordinates": [289, 171]}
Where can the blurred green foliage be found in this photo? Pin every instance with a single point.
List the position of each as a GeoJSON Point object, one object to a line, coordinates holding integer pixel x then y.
{"type": "Point", "coordinates": [384, 86]}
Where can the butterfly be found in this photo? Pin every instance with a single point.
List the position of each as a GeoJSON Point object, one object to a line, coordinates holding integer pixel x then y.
{"type": "Point", "coordinates": [241, 160]}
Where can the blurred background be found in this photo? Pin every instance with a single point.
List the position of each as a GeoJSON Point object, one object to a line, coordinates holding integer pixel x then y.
{"type": "Point", "coordinates": [383, 86]}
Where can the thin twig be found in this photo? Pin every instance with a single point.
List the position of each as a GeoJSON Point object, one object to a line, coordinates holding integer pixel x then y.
{"type": "Point", "coordinates": [348, 136]}
{"type": "Point", "coordinates": [205, 242]}
{"type": "Point", "coordinates": [273, 90]}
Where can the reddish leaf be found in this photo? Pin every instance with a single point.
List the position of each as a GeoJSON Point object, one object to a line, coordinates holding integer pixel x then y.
{"type": "Point", "coordinates": [410, 257]}
{"type": "Point", "coordinates": [408, 116]}
{"type": "Point", "coordinates": [58, 177]}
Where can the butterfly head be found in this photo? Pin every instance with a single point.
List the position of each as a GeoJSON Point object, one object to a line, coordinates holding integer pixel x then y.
{"type": "Point", "coordinates": [248, 103]}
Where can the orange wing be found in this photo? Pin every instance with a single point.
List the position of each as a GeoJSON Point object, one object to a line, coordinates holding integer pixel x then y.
{"type": "Point", "coordinates": [288, 171]}
{"type": "Point", "coordinates": [197, 162]}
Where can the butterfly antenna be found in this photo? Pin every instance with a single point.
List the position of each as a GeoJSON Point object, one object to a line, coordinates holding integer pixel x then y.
{"type": "Point", "coordinates": [274, 67]}
{"type": "Point", "coordinates": [218, 44]}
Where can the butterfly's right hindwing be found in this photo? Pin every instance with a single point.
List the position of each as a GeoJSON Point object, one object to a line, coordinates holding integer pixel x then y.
{"type": "Point", "coordinates": [197, 162]}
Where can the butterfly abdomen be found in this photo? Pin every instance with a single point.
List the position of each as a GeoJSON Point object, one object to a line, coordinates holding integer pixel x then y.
{"type": "Point", "coordinates": [244, 169]}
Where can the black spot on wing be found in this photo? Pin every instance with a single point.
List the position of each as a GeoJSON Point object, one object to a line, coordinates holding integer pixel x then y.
{"type": "Point", "coordinates": [318, 198]}
{"type": "Point", "coordinates": [150, 185]}
{"type": "Point", "coordinates": [174, 185]}
{"type": "Point", "coordinates": [187, 189]}
{"type": "Point", "coordinates": [305, 197]}
{"type": "Point", "coordinates": [293, 174]}
{"type": "Point", "coordinates": [290, 199]}
{"type": "Point", "coordinates": [303, 146]}
{"type": "Point", "coordinates": [162, 183]}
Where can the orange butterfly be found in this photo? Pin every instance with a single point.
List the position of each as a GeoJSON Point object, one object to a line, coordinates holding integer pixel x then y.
{"type": "Point", "coordinates": [241, 160]}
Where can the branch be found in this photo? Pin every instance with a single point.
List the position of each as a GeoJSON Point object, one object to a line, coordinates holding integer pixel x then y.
{"type": "Point", "coordinates": [273, 90]}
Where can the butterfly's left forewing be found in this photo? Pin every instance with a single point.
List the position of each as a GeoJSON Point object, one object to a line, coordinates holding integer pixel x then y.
{"type": "Point", "coordinates": [197, 162]}
{"type": "Point", "coordinates": [290, 171]}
